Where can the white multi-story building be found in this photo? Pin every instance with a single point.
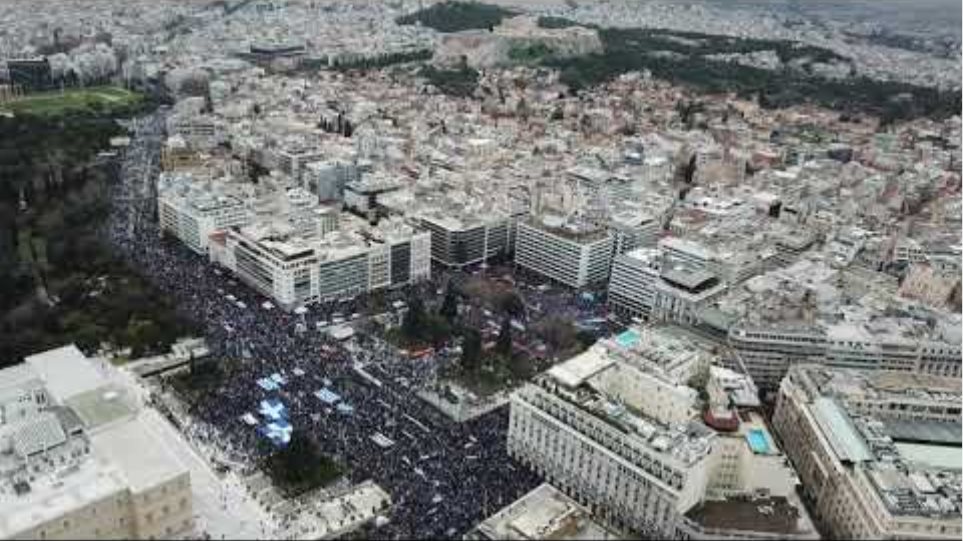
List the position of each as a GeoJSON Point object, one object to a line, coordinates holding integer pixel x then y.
{"type": "Point", "coordinates": [752, 491]}
{"type": "Point", "coordinates": [656, 170]}
{"type": "Point", "coordinates": [641, 286]}
{"type": "Point", "coordinates": [730, 266]}
{"type": "Point", "coordinates": [192, 210]}
{"type": "Point", "coordinates": [878, 452]}
{"type": "Point", "coordinates": [572, 255]}
{"type": "Point", "coordinates": [460, 241]}
{"type": "Point", "coordinates": [599, 187]}
{"type": "Point", "coordinates": [294, 269]}
{"type": "Point", "coordinates": [812, 313]}
{"type": "Point", "coordinates": [612, 428]}
{"type": "Point", "coordinates": [681, 293]}
{"type": "Point", "coordinates": [632, 284]}
{"type": "Point", "coordinates": [77, 460]}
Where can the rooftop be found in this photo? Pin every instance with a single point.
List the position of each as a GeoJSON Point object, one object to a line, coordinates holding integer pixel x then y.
{"type": "Point", "coordinates": [103, 405]}
{"type": "Point", "coordinates": [775, 515]}
{"type": "Point", "coordinates": [50, 497]}
{"type": "Point", "coordinates": [543, 513]}
{"type": "Point", "coordinates": [569, 228]}
{"type": "Point", "coordinates": [588, 382]}
{"type": "Point", "coordinates": [140, 454]}
{"type": "Point", "coordinates": [913, 478]}
{"type": "Point", "coordinates": [91, 446]}
{"type": "Point", "coordinates": [66, 372]}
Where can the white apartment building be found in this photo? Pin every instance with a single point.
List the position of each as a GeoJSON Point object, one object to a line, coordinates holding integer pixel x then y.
{"type": "Point", "coordinates": [770, 352]}
{"type": "Point", "coordinates": [590, 431]}
{"type": "Point", "coordinates": [569, 254]}
{"type": "Point", "coordinates": [680, 294]}
{"type": "Point", "coordinates": [776, 320]}
{"type": "Point", "coordinates": [600, 187]}
{"type": "Point", "coordinates": [192, 210]}
{"type": "Point", "coordinates": [79, 462]}
{"type": "Point", "coordinates": [640, 286]}
{"type": "Point", "coordinates": [295, 270]}
{"type": "Point", "coordinates": [656, 170]}
{"type": "Point", "coordinates": [681, 251]}
{"type": "Point", "coordinates": [878, 452]}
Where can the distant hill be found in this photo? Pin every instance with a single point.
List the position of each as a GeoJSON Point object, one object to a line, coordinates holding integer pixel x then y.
{"type": "Point", "coordinates": [458, 16]}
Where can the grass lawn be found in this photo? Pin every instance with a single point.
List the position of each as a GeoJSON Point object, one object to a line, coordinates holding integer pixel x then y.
{"type": "Point", "coordinates": [55, 102]}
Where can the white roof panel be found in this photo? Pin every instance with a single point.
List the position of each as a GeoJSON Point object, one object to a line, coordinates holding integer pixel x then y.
{"type": "Point", "coordinates": [66, 372]}
{"type": "Point", "coordinates": [139, 453]}
{"type": "Point", "coordinates": [576, 370]}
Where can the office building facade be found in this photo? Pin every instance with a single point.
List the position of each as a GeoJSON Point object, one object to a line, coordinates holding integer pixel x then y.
{"type": "Point", "coordinates": [573, 259]}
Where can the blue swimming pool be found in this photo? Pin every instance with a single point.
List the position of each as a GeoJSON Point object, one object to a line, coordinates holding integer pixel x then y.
{"type": "Point", "coordinates": [757, 441]}
{"type": "Point", "coordinates": [628, 338]}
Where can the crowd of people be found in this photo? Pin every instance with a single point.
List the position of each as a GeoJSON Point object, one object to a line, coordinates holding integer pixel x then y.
{"type": "Point", "coordinates": [443, 477]}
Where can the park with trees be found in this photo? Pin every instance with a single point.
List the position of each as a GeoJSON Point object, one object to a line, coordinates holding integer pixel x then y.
{"type": "Point", "coordinates": [59, 281]}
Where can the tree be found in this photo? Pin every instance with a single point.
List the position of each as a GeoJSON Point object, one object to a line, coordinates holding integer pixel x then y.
{"type": "Point", "coordinates": [414, 318]}
{"type": "Point", "coordinates": [301, 466]}
{"type": "Point", "coordinates": [699, 381]}
{"type": "Point", "coordinates": [449, 307]}
{"type": "Point", "coordinates": [513, 305]}
{"type": "Point", "coordinates": [471, 349]}
{"type": "Point", "coordinates": [503, 345]}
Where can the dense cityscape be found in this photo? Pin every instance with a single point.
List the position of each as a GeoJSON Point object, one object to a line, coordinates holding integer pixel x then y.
{"type": "Point", "coordinates": [520, 269]}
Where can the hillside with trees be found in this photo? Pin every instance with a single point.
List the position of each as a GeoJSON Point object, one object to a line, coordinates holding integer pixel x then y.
{"type": "Point", "coordinates": [682, 58]}
{"type": "Point", "coordinates": [458, 16]}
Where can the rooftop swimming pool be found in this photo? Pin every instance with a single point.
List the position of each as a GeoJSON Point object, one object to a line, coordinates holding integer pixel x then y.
{"type": "Point", "coordinates": [628, 338]}
{"type": "Point", "coordinates": [757, 441]}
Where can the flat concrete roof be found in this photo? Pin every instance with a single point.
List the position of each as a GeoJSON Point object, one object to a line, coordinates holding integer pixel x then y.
{"type": "Point", "coordinates": [17, 376]}
{"type": "Point", "coordinates": [946, 457]}
{"type": "Point", "coordinates": [544, 513]}
{"type": "Point", "coordinates": [780, 516]}
{"type": "Point", "coordinates": [66, 372]}
{"type": "Point", "coordinates": [52, 496]}
{"type": "Point", "coordinates": [574, 371]}
{"type": "Point", "coordinates": [103, 405]}
{"type": "Point", "coordinates": [141, 455]}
